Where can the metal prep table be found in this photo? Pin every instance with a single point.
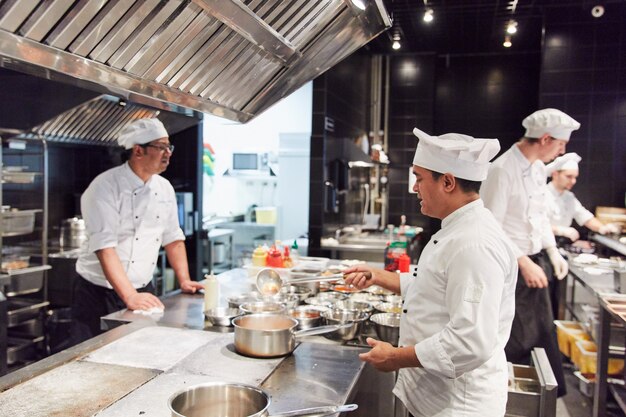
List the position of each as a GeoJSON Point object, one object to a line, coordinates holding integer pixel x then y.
{"type": "Point", "coordinates": [315, 374]}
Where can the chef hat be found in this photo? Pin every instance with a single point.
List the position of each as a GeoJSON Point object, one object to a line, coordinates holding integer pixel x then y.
{"type": "Point", "coordinates": [568, 161]}
{"type": "Point", "coordinates": [550, 121]}
{"type": "Point", "coordinates": [141, 131]}
{"type": "Point", "coordinates": [461, 155]}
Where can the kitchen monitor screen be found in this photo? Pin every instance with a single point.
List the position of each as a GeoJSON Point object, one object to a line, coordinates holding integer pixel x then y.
{"type": "Point", "coordinates": [245, 161]}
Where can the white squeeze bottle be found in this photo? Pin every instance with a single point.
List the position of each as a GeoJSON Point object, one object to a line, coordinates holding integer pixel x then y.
{"type": "Point", "coordinates": [211, 292]}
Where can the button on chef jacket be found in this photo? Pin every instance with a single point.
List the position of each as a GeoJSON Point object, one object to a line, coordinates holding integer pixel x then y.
{"type": "Point", "coordinates": [566, 207]}
{"type": "Point", "coordinates": [458, 314]}
{"type": "Point", "coordinates": [516, 193]}
{"type": "Point", "coordinates": [136, 219]}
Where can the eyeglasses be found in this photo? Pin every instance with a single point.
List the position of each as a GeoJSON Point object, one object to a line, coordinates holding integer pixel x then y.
{"type": "Point", "coordinates": [161, 148]}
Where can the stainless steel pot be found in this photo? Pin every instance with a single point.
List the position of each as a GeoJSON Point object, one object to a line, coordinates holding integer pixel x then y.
{"type": "Point", "coordinates": [73, 233]}
{"type": "Point", "coordinates": [271, 335]}
{"type": "Point", "coordinates": [220, 399]}
{"type": "Point", "coordinates": [351, 320]}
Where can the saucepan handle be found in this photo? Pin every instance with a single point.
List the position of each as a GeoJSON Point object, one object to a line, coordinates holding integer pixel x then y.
{"type": "Point", "coordinates": [318, 411]}
{"type": "Point", "coordinates": [322, 329]}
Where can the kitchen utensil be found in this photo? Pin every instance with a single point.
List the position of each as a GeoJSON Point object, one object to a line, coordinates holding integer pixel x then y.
{"type": "Point", "coordinates": [219, 399]}
{"type": "Point", "coordinates": [351, 319]}
{"type": "Point", "coordinates": [327, 299]}
{"type": "Point", "coordinates": [262, 307]}
{"type": "Point", "coordinates": [73, 233]}
{"type": "Point", "coordinates": [387, 326]}
{"type": "Point", "coordinates": [272, 335]}
{"type": "Point", "coordinates": [308, 316]}
{"type": "Point", "coordinates": [237, 300]}
{"type": "Point", "coordinates": [302, 292]}
{"type": "Point", "coordinates": [222, 316]}
{"type": "Point", "coordinates": [351, 305]}
{"type": "Point", "coordinates": [269, 281]}
{"type": "Point", "coordinates": [389, 307]}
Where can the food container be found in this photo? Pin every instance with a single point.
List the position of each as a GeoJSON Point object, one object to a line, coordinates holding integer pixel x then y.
{"type": "Point", "coordinates": [387, 326]}
{"type": "Point", "coordinates": [585, 354]}
{"type": "Point", "coordinates": [308, 316]}
{"type": "Point", "coordinates": [300, 291]}
{"type": "Point", "coordinates": [10, 262]}
{"type": "Point", "coordinates": [271, 335]}
{"type": "Point", "coordinates": [365, 297]}
{"type": "Point", "coordinates": [219, 399]}
{"type": "Point", "coordinates": [73, 233]}
{"type": "Point", "coordinates": [389, 307]}
{"type": "Point", "coordinates": [358, 306]}
{"type": "Point", "coordinates": [354, 319]}
{"type": "Point", "coordinates": [222, 316]}
{"type": "Point", "coordinates": [236, 301]}
{"type": "Point", "coordinates": [585, 384]}
{"type": "Point", "coordinates": [263, 307]}
{"type": "Point", "coordinates": [567, 333]}
{"type": "Point", "coordinates": [266, 215]}
{"type": "Point", "coordinates": [18, 222]}
{"type": "Point", "coordinates": [26, 280]}
{"type": "Point", "coordinates": [290, 301]}
{"type": "Point", "coordinates": [345, 289]}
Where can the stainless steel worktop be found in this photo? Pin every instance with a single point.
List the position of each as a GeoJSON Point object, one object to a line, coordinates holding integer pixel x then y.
{"type": "Point", "coordinates": [314, 374]}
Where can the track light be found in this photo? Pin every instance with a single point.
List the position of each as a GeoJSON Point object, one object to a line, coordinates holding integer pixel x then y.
{"type": "Point", "coordinates": [360, 4]}
{"type": "Point", "coordinates": [511, 27]}
{"type": "Point", "coordinates": [429, 15]}
{"type": "Point", "coordinates": [507, 42]}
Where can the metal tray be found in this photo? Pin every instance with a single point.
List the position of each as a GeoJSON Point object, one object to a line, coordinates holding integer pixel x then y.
{"type": "Point", "coordinates": [26, 280]}
{"type": "Point", "coordinates": [20, 350]}
{"type": "Point", "coordinates": [16, 223]}
{"type": "Point", "coordinates": [21, 310]}
{"type": "Point", "coordinates": [18, 177]}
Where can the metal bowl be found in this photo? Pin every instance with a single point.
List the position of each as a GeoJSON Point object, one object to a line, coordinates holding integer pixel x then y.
{"type": "Point", "coordinates": [236, 301]}
{"type": "Point", "coordinates": [290, 301]}
{"type": "Point", "coordinates": [365, 297]}
{"type": "Point", "coordinates": [302, 292]}
{"type": "Point", "coordinates": [263, 307]}
{"type": "Point", "coordinates": [222, 316]}
{"type": "Point", "coordinates": [335, 316]}
{"type": "Point", "coordinates": [358, 306]}
{"type": "Point", "coordinates": [308, 316]}
{"type": "Point", "coordinates": [393, 298]}
{"type": "Point", "coordinates": [389, 307]}
{"type": "Point", "coordinates": [387, 326]}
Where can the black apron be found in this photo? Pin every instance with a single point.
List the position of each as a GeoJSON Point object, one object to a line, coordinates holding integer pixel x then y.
{"type": "Point", "coordinates": [533, 325]}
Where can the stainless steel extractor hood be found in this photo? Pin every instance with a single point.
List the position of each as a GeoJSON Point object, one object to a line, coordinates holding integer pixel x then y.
{"type": "Point", "coordinates": [231, 58]}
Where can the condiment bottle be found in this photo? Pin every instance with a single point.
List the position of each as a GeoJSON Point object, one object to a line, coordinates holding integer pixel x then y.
{"type": "Point", "coordinates": [211, 292]}
{"type": "Point", "coordinates": [295, 256]}
{"type": "Point", "coordinates": [274, 257]}
{"type": "Point", "coordinates": [259, 256]}
{"type": "Point", "coordinates": [404, 262]}
{"type": "Point", "coordinates": [287, 262]}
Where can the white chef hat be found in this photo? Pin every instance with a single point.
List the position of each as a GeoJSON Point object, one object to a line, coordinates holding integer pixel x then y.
{"type": "Point", "coordinates": [551, 121]}
{"type": "Point", "coordinates": [461, 155]}
{"type": "Point", "coordinates": [140, 132]}
{"type": "Point", "coordinates": [568, 161]}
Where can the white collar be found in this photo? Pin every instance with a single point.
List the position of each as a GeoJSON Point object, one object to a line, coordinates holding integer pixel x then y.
{"type": "Point", "coordinates": [458, 213]}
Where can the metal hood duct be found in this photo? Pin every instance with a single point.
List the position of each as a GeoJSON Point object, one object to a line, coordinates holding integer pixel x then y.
{"type": "Point", "coordinates": [231, 58]}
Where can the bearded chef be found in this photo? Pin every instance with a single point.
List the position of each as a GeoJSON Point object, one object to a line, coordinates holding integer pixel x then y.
{"type": "Point", "coordinates": [130, 212]}
{"type": "Point", "coordinates": [516, 193]}
{"type": "Point", "coordinates": [459, 301]}
{"type": "Point", "coordinates": [565, 206]}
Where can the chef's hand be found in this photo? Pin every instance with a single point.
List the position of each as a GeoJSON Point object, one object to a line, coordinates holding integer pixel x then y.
{"type": "Point", "coordinates": [568, 232]}
{"type": "Point", "coordinates": [359, 276]}
{"type": "Point", "coordinates": [532, 273]}
{"type": "Point", "coordinates": [190, 286]}
{"type": "Point", "coordinates": [558, 262]}
{"type": "Point", "coordinates": [143, 301]}
{"type": "Point", "coordinates": [609, 228]}
{"type": "Point", "coordinates": [381, 356]}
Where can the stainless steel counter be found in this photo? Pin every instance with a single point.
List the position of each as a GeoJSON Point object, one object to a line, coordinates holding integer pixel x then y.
{"type": "Point", "coordinates": [314, 374]}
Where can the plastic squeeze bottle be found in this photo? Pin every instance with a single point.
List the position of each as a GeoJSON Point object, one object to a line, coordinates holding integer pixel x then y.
{"type": "Point", "coordinates": [211, 292]}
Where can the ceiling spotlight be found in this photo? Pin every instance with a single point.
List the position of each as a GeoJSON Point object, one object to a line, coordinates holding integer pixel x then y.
{"type": "Point", "coordinates": [396, 45]}
{"type": "Point", "coordinates": [511, 27]}
{"type": "Point", "coordinates": [507, 42]}
{"type": "Point", "coordinates": [429, 15]}
{"type": "Point", "coordinates": [360, 4]}
{"type": "Point", "coordinates": [597, 11]}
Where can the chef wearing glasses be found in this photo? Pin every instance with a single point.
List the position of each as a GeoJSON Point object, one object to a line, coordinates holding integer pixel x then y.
{"type": "Point", "coordinates": [130, 212]}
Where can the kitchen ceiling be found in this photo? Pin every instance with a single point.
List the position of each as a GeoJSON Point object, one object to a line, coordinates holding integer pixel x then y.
{"type": "Point", "coordinates": [471, 26]}
{"type": "Point", "coordinates": [232, 58]}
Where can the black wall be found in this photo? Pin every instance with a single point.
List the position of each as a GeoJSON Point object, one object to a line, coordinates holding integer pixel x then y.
{"type": "Point", "coordinates": [583, 73]}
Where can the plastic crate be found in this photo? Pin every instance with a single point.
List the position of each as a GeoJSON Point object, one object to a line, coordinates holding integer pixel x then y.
{"type": "Point", "coordinates": [567, 333]}
{"type": "Point", "coordinates": [585, 356]}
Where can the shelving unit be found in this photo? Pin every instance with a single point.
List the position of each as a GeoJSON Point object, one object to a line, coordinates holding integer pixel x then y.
{"type": "Point", "coordinates": [217, 250]}
{"type": "Point", "coordinates": [24, 220]}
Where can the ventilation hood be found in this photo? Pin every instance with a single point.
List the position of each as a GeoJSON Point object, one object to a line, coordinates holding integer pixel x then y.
{"type": "Point", "coordinates": [231, 58]}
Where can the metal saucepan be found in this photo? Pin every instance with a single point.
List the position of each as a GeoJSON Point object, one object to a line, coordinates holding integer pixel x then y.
{"type": "Point", "coordinates": [220, 399]}
{"type": "Point", "coordinates": [272, 335]}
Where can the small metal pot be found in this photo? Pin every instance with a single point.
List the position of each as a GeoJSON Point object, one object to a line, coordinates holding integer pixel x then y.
{"type": "Point", "coordinates": [387, 326]}
{"type": "Point", "coordinates": [352, 321]}
{"type": "Point", "coordinates": [222, 316]}
{"type": "Point", "coordinates": [271, 335]}
{"type": "Point", "coordinates": [302, 292]}
{"type": "Point", "coordinates": [308, 316]}
{"type": "Point", "coordinates": [220, 399]}
{"type": "Point", "coordinates": [358, 306]}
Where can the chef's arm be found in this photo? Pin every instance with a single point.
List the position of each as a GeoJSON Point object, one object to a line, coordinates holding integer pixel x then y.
{"type": "Point", "coordinates": [363, 275]}
{"type": "Point", "coordinates": [386, 358]}
{"type": "Point", "coordinates": [116, 275]}
{"type": "Point", "coordinates": [177, 256]}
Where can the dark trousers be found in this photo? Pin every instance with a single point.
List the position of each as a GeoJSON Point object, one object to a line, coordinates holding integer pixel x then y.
{"type": "Point", "coordinates": [533, 325]}
{"type": "Point", "coordinates": [90, 302]}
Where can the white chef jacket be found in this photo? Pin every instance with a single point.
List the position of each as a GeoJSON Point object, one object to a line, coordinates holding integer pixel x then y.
{"type": "Point", "coordinates": [459, 308]}
{"type": "Point", "coordinates": [566, 207]}
{"type": "Point", "coordinates": [122, 212]}
{"type": "Point", "coordinates": [516, 193]}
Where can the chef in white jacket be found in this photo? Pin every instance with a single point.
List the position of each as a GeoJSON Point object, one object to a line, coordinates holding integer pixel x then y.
{"type": "Point", "coordinates": [459, 301]}
{"type": "Point", "coordinates": [516, 193]}
{"type": "Point", "coordinates": [565, 206]}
